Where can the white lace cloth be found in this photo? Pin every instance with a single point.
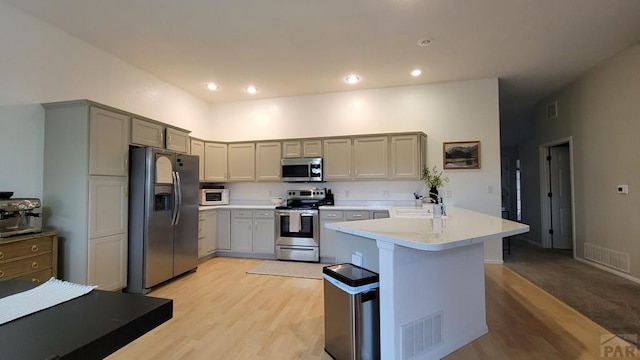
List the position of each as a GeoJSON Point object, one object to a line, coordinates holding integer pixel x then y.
{"type": "Point", "coordinates": [51, 293]}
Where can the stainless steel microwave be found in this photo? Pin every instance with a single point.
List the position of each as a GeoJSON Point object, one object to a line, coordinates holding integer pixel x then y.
{"type": "Point", "coordinates": [302, 170]}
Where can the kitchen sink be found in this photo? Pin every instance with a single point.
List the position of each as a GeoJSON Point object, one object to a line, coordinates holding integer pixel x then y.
{"type": "Point", "coordinates": [425, 212]}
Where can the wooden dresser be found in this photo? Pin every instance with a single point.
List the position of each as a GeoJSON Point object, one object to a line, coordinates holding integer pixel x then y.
{"type": "Point", "coordinates": [29, 257]}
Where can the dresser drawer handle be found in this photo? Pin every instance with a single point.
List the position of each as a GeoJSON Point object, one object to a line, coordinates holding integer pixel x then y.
{"type": "Point", "coordinates": [34, 265]}
{"type": "Point", "coordinates": [35, 280]}
{"type": "Point", "coordinates": [1, 255]}
{"type": "Point", "coordinates": [34, 248]}
{"type": "Point", "coordinates": [1, 274]}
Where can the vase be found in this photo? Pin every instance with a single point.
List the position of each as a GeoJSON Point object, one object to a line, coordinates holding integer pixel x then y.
{"type": "Point", "coordinates": [433, 194]}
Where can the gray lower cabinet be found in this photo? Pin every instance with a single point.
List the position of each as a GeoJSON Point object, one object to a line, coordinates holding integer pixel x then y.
{"type": "Point", "coordinates": [223, 230]}
{"type": "Point", "coordinates": [253, 231]}
{"type": "Point", "coordinates": [328, 236]}
{"type": "Point", "coordinates": [264, 232]}
{"type": "Point", "coordinates": [241, 231]}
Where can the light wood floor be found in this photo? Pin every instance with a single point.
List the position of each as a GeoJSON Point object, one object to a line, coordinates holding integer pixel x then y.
{"type": "Point", "coordinates": [220, 312]}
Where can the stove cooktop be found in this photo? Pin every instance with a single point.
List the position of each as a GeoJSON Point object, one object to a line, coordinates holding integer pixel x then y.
{"type": "Point", "coordinates": [304, 199]}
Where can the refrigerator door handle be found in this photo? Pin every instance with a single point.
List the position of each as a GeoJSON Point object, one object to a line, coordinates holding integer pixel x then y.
{"type": "Point", "coordinates": [179, 198]}
{"type": "Point", "coordinates": [174, 214]}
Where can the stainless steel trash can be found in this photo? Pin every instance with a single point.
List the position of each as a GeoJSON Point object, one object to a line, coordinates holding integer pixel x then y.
{"type": "Point", "coordinates": [351, 313]}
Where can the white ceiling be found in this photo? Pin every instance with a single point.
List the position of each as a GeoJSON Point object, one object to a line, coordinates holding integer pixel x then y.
{"type": "Point", "coordinates": [297, 47]}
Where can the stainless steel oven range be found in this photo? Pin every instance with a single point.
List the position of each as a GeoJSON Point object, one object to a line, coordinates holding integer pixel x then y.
{"type": "Point", "coordinates": [297, 226]}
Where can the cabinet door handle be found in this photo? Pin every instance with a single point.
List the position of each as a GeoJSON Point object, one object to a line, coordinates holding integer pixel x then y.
{"type": "Point", "coordinates": [160, 137]}
{"type": "Point", "coordinates": [34, 265]}
{"type": "Point", "coordinates": [34, 248]}
{"type": "Point", "coordinates": [1, 274]}
{"type": "Point", "coordinates": [169, 140]}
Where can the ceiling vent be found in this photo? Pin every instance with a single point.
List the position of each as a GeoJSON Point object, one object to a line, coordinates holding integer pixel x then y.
{"type": "Point", "coordinates": [552, 110]}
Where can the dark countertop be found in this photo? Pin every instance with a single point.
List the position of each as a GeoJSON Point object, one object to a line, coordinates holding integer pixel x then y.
{"type": "Point", "coordinates": [91, 326]}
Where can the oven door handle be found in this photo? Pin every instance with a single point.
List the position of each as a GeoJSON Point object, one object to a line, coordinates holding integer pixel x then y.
{"type": "Point", "coordinates": [296, 248]}
{"type": "Point", "coordinates": [301, 214]}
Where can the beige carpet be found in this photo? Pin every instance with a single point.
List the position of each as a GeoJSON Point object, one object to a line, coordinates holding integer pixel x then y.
{"type": "Point", "coordinates": [611, 301]}
{"type": "Point", "coordinates": [289, 268]}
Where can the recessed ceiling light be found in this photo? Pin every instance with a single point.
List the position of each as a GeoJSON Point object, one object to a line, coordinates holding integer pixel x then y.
{"type": "Point", "coordinates": [251, 89]}
{"type": "Point", "coordinates": [352, 79]}
{"type": "Point", "coordinates": [416, 72]}
{"type": "Point", "coordinates": [212, 86]}
{"type": "Point", "coordinates": [424, 42]}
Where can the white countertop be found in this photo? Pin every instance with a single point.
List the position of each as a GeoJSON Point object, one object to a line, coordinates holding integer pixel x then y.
{"type": "Point", "coordinates": [460, 228]}
{"type": "Point", "coordinates": [237, 207]}
{"type": "Point", "coordinates": [354, 207]}
{"type": "Point", "coordinates": [265, 207]}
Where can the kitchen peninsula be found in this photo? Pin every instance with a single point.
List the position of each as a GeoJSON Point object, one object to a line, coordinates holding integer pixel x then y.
{"type": "Point", "coordinates": [432, 294]}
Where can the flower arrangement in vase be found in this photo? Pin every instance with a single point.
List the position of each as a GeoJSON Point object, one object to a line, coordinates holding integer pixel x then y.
{"type": "Point", "coordinates": [433, 179]}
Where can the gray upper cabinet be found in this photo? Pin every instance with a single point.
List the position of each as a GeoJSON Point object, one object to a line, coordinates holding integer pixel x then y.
{"type": "Point", "coordinates": [108, 143]}
{"type": "Point", "coordinates": [302, 148]}
{"type": "Point", "coordinates": [371, 158]}
{"type": "Point", "coordinates": [337, 159]}
{"type": "Point", "coordinates": [268, 155]}
{"type": "Point", "coordinates": [408, 156]}
{"type": "Point", "coordinates": [291, 149]}
{"type": "Point", "coordinates": [215, 162]}
{"type": "Point", "coordinates": [177, 140]}
{"type": "Point", "coordinates": [149, 133]}
{"type": "Point", "coordinates": [197, 149]}
{"type": "Point", "coordinates": [241, 163]}
{"type": "Point", "coordinates": [312, 148]}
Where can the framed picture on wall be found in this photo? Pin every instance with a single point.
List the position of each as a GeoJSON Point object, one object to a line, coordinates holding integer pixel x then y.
{"type": "Point", "coordinates": [461, 155]}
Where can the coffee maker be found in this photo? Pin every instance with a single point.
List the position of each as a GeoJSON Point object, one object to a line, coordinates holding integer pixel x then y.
{"type": "Point", "coordinates": [16, 214]}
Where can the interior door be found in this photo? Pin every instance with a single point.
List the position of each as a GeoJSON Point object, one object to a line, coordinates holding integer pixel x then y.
{"type": "Point", "coordinates": [560, 176]}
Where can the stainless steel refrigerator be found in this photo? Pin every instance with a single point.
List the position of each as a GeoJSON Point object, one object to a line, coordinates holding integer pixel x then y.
{"type": "Point", "coordinates": [163, 217]}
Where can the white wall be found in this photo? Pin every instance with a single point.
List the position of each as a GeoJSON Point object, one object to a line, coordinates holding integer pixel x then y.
{"type": "Point", "coordinates": [601, 111]}
{"type": "Point", "coordinates": [39, 63]}
{"type": "Point", "coordinates": [466, 110]}
{"type": "Point", "coordinates": [21, 149]}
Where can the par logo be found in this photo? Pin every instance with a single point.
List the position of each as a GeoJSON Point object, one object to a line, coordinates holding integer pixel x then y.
{"type": "Point", "coordinates": [610, 347]}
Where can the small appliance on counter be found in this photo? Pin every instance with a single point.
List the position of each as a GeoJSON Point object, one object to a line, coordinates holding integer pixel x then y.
{"type": "Point", "coordinates": [16, 214]}
{"type": "Point", "coordinates": [328, 200]}
{"type": "Point", "coordinates": [214, 195]}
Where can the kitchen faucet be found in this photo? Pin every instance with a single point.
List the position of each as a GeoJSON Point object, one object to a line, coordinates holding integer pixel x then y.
{"type": "Point", "coordinates": [439, 202]}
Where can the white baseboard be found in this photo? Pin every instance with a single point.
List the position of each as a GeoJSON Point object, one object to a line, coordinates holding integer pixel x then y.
{"type": "Point", "coordinates": [489, 261]}
{"type": "Point", "coordinates": [607, 269]}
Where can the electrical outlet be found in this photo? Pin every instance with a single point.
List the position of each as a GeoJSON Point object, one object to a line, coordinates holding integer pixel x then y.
{"type": "Point", "coordinates": [623, 189]}
{"type": "Point", "coordinates": [490, 189]}
{"type": "Point", "coordinates": [270, 193]}
{"type": "Point", "coordinates": [356, 258]}
{"type": "Point", "coordinates": [386, 193]}
{"type": "Point", "coordinates": [346, 193]}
